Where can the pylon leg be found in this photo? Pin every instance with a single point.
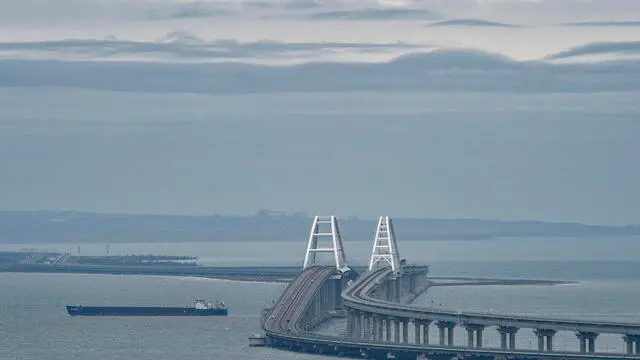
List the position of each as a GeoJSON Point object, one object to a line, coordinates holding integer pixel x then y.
{"type": "Point", "coordinates": [325, 227]}
{"type": "Point", "coordinates": [385, 249]}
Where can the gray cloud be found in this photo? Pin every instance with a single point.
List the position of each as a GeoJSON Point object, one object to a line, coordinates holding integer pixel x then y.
{"type": "Point", "coordinates": [374, 14]}
{"type": "Point", "coordinates": [181, 44]}
{"type": "Point", "coordinates": [437, 71]}
{"type": "Point", "coordinates": [303, 4]}
{"type": "Point", "coordinates": [625, 47]}
{"type": "Point", "coordinates": [196, 9]}
{"type": "Point", "coordinates": [473, 23]}
{"type": "Point", "coordinates": [604, 24]}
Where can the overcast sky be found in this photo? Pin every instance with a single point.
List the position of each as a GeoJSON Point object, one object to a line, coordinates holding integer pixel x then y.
{"type": "Point", "coordinates": [511, 110]}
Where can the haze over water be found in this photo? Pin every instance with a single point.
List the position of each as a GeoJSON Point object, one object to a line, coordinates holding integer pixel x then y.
{"type": "Point", "coordinates": [508, 110]}
{"type": "Point", "coordinates": [34, 323]}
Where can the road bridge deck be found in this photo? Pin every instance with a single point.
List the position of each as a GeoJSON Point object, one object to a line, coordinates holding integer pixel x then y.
{"type": "Point", "coordinates": [281, 326]}
{"type": "Point", "coordinates": [357, 298]}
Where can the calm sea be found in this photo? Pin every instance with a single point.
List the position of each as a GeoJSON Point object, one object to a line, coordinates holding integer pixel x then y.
{"type": "Point", "coordinates": [34, 325]}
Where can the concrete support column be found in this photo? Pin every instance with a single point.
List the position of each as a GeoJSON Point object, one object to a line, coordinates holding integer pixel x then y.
{"type": "Point", "coordinates": [508, 337]}
{"type": "Point", "coordinates": [412, 284]}
{"type": "Point", "coordinates": [388, 290]}
{"type": "Point", "coordinates": [351, 322]}
{"type": "Point", "coordinates": [380, 328]}
{"type": "Point", "coordinates": [425, 332]}
{"type": "Point", "coordinates": [587, 341]}
{"type": "Point", "coordinates": [374, 328]}
{"type": "Point", "coordinates": [357, 329]}
{"type": "Point", "coordinates": [367, 325]}
{"type": "Point", "coordinates": [398, 289]}
{"type": "Point", "coordinates": [474, 332]}
{"type": "Point", "coordinates": [396, 330]}
{"type": "Point", "coordinates": [540, 343]}
{"type": "Point", "coordinates": [446, 327]}
{"type": "Point", "coordinates": [405, 331]}
{"type": "Point", "coordinates": [545, 334]}
{"type": "Point", "coordinates": [416, 332]}
{"type": "Point", "coordinates": [363, 324]}
{"type": "Point", "coordinates": [583, 343]}
{"type": "Point", "coordinates": [469, 337]}
{"type": "Point", "coordinates": [628, 344]}
{"type": "Point", "coordinates": [442, 333]}
{"type": "Point", "coordinates": [387, 329]}
{"type": "Point", "coordinates": [393, 290]}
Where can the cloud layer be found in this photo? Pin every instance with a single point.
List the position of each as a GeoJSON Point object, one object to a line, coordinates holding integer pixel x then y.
{"type": "Point", "coordinates": [604, 24]}
{"type": "Point", "coordinates": [601, 48]}
{"type": "Point", "coordinates": [196, 9]}
{"type": "Point", "coordinates": [460, 70]}
{"type": "Point", "coordinates": [185, 46]}
{"type": "Point", "coordinates": [373, 14]}
{"type": "Point", "coordinates": [472, 23]}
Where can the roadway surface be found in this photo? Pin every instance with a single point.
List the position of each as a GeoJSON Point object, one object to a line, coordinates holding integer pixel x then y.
{"type": "Point", "coordinates": [285, 316]}
{"type": "Point", "coordinates": [282, 326]}
{"type": "Point", "coordinates": [357, 298]}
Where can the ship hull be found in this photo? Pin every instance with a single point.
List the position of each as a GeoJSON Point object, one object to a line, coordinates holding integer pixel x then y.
{"type": "Point", "coordinates": [142, 311]}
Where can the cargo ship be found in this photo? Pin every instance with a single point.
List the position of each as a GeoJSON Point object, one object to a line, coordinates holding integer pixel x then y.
{"type": "Point", "coordinates": [199, 308]}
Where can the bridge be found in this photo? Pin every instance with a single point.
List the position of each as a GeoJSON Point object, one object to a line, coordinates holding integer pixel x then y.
{"type": "Point", "coordinates": [378, 307]}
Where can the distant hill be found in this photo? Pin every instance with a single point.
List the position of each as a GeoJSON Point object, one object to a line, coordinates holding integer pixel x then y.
{"type": "Point", "coordinates": [51, 226]}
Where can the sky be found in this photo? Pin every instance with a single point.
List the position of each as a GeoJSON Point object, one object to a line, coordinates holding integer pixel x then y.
{"type": "Point", "coordinates": [503, 109]}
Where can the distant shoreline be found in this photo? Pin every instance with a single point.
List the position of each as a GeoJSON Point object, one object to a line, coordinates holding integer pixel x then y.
{"type": "Point", "coordinates": [282, 274]}
{"type": "Point", "coordinates": [50, 227]}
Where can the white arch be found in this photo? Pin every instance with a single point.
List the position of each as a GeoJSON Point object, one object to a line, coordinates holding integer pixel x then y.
{"type": "Point", "coordinates": [385, 249]}
{"type": "Point", "coordinates": [333, 233]}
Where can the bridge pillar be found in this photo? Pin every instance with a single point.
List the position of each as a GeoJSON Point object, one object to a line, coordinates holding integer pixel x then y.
{"type": "Point", "coordinates": [373, 327]}
{"type": "Point", "coordinates": [545, 334]}
{"type": "Point", "coordinates": [503, 340]}
{"type": "Point", "coordinates": [365, 324]}
{"type": "Point", "coordinates": [587, 341]}
{"type": "Point", "coordinates": [474, 331]}
{"type": "Point", "coordinates": [378, 324]}
{"type": "Point", "coordinates": [357, 324]}
{"type": "Point", "coordinates": [387, 329]}
{"type": "Point", "coordinates": [350, 322]}
{"type": "Point", "coordinates": [425, 331]}
{"type": "Point", "coordinates": [396, 330]}
{"type": "Point", "coordinates": [397, 291]}
{"type": "Point", "coordinates": [446, 328]}
{"type": "Point", "coordinates": [507, 337]}
{"type": "Point", "coordinates": [405, 331]}
{"type": "Point", "coordinates": [387, 293]}
{"type": "Point", "coordinates": [470, 338]}
{"type": "Point", "coordinates": [628, 341]}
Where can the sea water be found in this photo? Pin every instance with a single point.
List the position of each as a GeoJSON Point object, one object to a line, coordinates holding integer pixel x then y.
{"type": "Point", "coordinates": [605, 275]}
